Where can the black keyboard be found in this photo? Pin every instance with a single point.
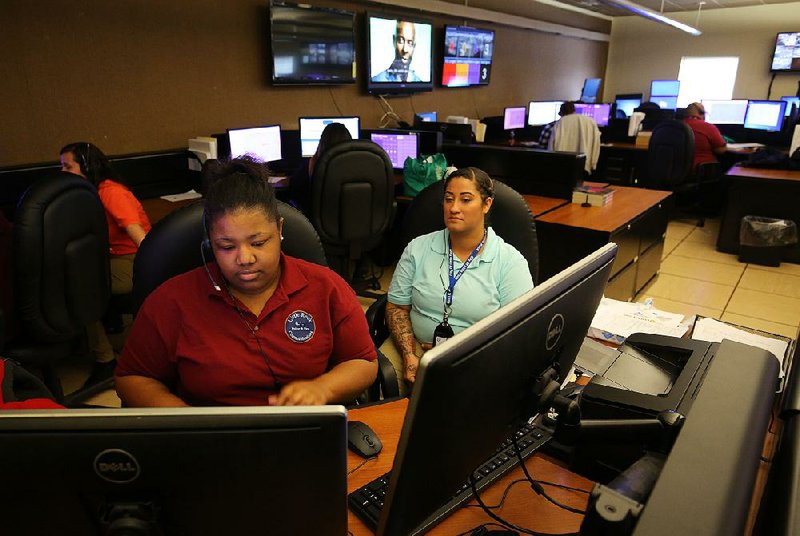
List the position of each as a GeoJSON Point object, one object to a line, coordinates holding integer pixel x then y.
{"type": "Point", "coordinates": [367, 501]}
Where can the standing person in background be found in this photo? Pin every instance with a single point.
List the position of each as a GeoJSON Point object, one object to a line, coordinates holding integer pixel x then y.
{"type": "Point", "coordinates": [127, 226]}
{"type": "Point", "coordinates": [708, 141]}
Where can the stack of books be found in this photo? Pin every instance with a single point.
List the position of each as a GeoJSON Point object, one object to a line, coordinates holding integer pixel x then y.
{"type": "Point", "coordinates": [596, 196]}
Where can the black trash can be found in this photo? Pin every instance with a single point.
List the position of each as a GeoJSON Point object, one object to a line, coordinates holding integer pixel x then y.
{"type": "Point", "coordinates": [765, 240]}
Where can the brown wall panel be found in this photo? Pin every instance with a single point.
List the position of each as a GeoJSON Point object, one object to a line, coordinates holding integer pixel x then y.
{"type": "Point", "coordinates": [145, 75]}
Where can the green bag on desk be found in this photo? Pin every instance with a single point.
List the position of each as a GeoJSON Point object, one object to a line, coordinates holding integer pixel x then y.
{"type": "Point", "coordinates": [421, 172]}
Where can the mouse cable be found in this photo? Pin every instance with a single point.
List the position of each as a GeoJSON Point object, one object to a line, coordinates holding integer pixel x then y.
{"type": "Point", "coordinates": [360, 465]}
{"type": "Point", "coordinates": [521, 480]}
{"type": "Point", "coordinates": [503, 522]}
{"type": "Point", "coordinates": [537, 487]}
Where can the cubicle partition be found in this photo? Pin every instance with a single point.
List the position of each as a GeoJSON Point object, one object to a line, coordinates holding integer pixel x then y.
{"type": "Point", "coordinates": [528, 171]}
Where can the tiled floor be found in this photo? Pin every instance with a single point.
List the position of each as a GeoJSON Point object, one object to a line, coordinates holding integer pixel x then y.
{"type": "Point", "coordinates": [695, 279]}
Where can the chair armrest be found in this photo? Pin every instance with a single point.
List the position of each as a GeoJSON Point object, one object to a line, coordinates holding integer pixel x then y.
{"type": "Point", "coordinates": [708, 172]}
{"type": "Point", "coordinates": [386, 382]}
{"type": "Point", "coordinates": [376, 321]}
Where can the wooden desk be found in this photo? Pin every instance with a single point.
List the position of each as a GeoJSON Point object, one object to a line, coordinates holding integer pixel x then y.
{"type": "Point", "coordinates": [522, 506]}
{"type": "Point", "coordinates": [540, 205]}
{"type": "Point", "coordinates": [772, 193]}
{"type": "Point", "coordinates": [635, 219]}
{"type": "Point", "coordinates": [157, 208]}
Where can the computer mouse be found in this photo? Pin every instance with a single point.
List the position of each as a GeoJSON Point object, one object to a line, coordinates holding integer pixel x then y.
{"type": "Point", "coordinates": [362, 440]}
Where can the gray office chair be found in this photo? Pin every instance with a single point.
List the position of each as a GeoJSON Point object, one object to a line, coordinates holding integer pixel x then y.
{"type": "Point", "coordinates": [352, 205]}
{"type": "Point", "coordinates": [670, 156]}
{"type": "Point", "coordinates": [62, 279]}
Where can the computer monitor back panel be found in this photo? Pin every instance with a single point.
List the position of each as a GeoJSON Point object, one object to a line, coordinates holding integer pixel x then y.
{"type": "Point", "coordinates": [202, 471]}
{"type": "Point", "coordinates": [476, 389]}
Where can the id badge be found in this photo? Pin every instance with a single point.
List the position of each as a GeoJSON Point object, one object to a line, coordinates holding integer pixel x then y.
{"type": "Point", "coordinates": [442, 332]}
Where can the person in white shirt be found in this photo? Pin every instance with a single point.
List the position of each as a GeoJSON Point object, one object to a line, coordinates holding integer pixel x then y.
{"type": "Point", "coordinates": [578, 134]}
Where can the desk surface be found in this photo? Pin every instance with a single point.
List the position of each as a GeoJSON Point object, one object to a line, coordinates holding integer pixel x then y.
{"type": "Point", "coordinates": [157, 208]}
{"type": "Point", "coordinates": [522, 506]}
{"type": "Point", "coordinates": [627, 204]}
{"type": "Point", "coordinates": [763, 173]}
{"type": "Point", "coordinates": [540, 205]}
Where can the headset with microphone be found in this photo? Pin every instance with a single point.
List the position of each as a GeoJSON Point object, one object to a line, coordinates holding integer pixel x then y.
{"type": "Point", "coordinates": [206, 244]}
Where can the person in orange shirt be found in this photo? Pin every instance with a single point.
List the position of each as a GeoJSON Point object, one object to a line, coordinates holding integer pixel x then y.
{"type": "Point", "coordinates": [127, 226]}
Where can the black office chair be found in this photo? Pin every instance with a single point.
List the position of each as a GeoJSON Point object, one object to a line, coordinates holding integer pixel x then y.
{"type": "Point", "coordinates": [510, 217]}
{"type": "Point", "coordinates": [352, 205]}
{"type": "Point", "coordinates": [172, 247]}
{"type": "Point", "coordinates": [670, 156]}
{"type": "Point", "coordinates": [62, 279]}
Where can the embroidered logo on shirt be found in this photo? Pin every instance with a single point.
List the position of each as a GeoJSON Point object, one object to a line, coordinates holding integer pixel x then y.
{"type": "Point", "coordinates": [300, 326]}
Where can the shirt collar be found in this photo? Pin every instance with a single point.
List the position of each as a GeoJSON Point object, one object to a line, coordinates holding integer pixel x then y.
{"type": "Point", "coordinates": [292, 280]}
{"type": "Point", "coordinates": [490, 248]}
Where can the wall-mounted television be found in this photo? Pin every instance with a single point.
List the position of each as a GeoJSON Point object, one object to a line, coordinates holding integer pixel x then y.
{"type": "Point", "coordinates": [312, 45]}
{"type": "Point", "coordinates": [467, 56]}
{"type": "Point", "coordinates": [399, 54]}
{"type": "Point", "coordinates": [786, 56]}
{"type": "Point", "coordinates": [591, 87]}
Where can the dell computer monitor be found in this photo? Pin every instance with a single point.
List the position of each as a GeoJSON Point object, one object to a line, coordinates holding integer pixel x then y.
{"type": "Point", "coordinates": [398, 145]}
{"type": "Point", "coordinates": [591, 87]}
{"type": "Point", "coordinates": [311, 129]}
{"type": "Point", "coordinates": [628, 102]}
{"type": "Point", "coordinates": [312, 45]}
{"type": "Point", "coordinates": [598, 112]}
{"type": "Point", "coordinates": [428, 117]}
{"type": "Point", "coordinates": [725, 112]}
{"type": "Point", "coordinates": [467, 56]}
{"type": "Point", "coordinates": [399, 54]}
{"type": "Point", "coordinates": [543, 112]}
{"type": "Point", "coordinates": [664, 88]}
{"type": "Point", "coordinates": [514, 118]}
{"type": "Point", "coordinates": [791, 101]}
{"type": "Point", "coordinates": [473, 391]}
{"type": "Point", "coordinates": [262, 143]}
{"type": "Point", "coordinates": [198, 471]}
{"type": "Point", "coordinates": [765, 115]}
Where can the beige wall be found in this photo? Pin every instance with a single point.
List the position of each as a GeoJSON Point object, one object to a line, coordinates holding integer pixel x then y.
{"type": "Point", "coordinates": [642, 50]}
{"type": "Point", "coordinates": [145, 75]}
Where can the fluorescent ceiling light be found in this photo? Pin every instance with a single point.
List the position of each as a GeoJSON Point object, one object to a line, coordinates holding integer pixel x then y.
{"type": "Point", "coordinates": [650, 14]}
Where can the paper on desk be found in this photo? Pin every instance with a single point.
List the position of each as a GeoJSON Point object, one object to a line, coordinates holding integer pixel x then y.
{"type": "Point", "coordinates": [623, 319]}
{"type": "Point", "coordinates": [708, 329]}
{"type": "Point", "coordinates": [191, 194]}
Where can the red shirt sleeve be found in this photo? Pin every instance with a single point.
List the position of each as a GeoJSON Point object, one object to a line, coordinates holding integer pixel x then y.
{"type": "Point", "coordinates": [715, 137]}
{"type": "Point", "coordinates": [121, 205]}
{"type": "Point", "coordinates": [351, 338]}
{"type": "Point", "coordinates": [151, 346]}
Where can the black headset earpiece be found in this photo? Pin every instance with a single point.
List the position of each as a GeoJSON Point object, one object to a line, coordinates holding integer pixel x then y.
{"type": "Point", "coordinates": [205, 244]}
{"type": "Point", "coordinates": [85, 159]}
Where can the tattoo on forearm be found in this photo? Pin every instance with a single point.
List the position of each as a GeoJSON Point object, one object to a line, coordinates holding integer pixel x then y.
{"type": "Point", "coordinates": [399, 322]}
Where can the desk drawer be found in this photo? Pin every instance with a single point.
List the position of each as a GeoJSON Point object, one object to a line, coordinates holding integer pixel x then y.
{"type": "Point", "coordinates": [652, 226]}
{"type": "Point", "coordinates": [621, 286]}
{"type": "Point", "coordinates": [648, 264]}
{"type": "Point", "coordinates": [627, 240]}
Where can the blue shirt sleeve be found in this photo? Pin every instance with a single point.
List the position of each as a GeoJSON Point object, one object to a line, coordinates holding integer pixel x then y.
{"type": "Point", "coordinates": [516, 279]}
{"type": "Point", "coordinates": [403, 277]}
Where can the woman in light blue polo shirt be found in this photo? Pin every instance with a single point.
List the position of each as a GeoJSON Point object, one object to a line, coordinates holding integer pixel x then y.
{"type": "Point", "coordinates": [447, 280]}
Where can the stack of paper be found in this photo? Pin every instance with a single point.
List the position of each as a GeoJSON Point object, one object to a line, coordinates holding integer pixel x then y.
{"type": "Point", "coordinates": [708, 329]}
{"type": "Point", "coordinates": [616, 320]}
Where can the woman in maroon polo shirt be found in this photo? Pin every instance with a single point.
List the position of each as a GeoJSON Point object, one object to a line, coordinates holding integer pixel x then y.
{"type": "Point", "coordinates": [258, 328]}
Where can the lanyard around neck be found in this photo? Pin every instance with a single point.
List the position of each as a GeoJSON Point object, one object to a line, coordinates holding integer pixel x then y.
{"type": "Point", "coordinates": [455, 276]}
